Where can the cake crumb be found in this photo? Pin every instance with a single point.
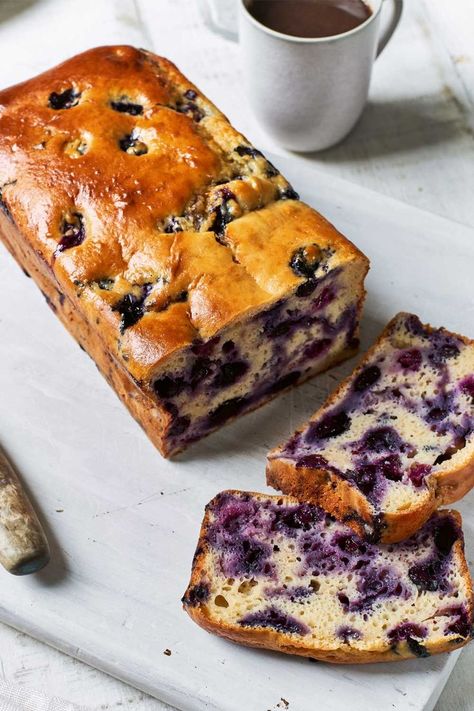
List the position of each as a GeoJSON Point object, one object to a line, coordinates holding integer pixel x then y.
{"type": "Point", "coordinates": [167, 652]}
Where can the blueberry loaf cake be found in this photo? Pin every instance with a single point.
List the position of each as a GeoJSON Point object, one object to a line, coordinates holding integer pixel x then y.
{"type": "Point", "coordinates": [395, 441]}
{"type": "Point", "coordinates": [177, 255]}
{"type": "Point", "coordinates": [272, 572]}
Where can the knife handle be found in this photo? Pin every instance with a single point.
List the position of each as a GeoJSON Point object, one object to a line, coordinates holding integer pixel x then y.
{"type": "Point", "coordinates": [24, 547]}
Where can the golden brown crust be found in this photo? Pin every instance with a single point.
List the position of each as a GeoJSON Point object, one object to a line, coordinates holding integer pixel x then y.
{"type": "Point", "coordinates": [268, 639]}
{"type": "Point", "coordinates": [273, 640]}
{"type": "Point", "coordinates": [337, 496]}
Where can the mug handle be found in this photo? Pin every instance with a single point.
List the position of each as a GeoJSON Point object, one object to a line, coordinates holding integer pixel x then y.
{"type": "Point", "coordinates": [221, 17]}
{"type": "Point", "coordinates": [397, 8]}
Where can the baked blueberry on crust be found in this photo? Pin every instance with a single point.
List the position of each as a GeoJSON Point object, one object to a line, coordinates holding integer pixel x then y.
{"type": "Point", "coordinates": [272, 572]}
{"type": "Point", "coordinates": [397, 438]}
{"type": "Point", "coordinates": [170, 237]}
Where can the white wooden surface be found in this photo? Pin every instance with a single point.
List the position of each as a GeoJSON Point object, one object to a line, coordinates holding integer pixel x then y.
{"type": "Point", "coordinates": [414, 142]}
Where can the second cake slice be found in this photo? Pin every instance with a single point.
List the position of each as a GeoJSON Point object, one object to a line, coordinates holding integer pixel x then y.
{"type": "Point", "coordinates": [272, 572]}
{"type": "Point", "coordinates": [395, 441]}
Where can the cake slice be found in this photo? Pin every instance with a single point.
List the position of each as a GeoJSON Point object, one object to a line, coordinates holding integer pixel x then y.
{"type": "Point", "coordinates": [272, 572]}
{"type": "Point", "coordinates": [177, 255]}
{"type": "Point", "coordinates": [395, 440]}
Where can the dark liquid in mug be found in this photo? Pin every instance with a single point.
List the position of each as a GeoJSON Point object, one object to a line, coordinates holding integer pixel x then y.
{"type": "Point", "coordinates": [310, 18]}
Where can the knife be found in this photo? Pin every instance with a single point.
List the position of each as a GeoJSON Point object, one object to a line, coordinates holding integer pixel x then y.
{"type": "Point", "coordinates": [24, 547]}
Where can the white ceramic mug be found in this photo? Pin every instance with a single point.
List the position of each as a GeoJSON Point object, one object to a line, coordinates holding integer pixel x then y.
{"type": "Point", "coordinates": [307, 93]}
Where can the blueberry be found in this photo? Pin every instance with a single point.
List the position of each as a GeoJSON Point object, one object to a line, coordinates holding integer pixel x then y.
{"type": "Point", "coordinates": [280, 329]}
{"type": "Point", "coordinates": [271, 617]}
{"type": "Point", "coordinates": [124, 106]}
{"type": "Point", "coordinates": [377, 582]}
{"type": "Point", "coordinates": [459, 443]}
{"type": "Point", "coordinates": [232, 518]}
{"type": "Point", "coordinates": [284, 382]}
{"type": "Point", "coordinates": [226, 410]}
{"type": "Point", "coordinates": [467, 386]}
{"type": "Point", "coordinates": [171, 408]}
{"type": "Point", "coordinates": [346, 633]}
{"type": "Point", "coordinates": [222, 217]}
{"type": "Point", "coordinates": [131, 144]}
{"type": "Point", "coordinates": [222, 213]}
{"type": "Point", "coordinates": [289, 194]}
{"type": "Point", "coordinates": [230, 373]}
{"type": "Point", "coordinates": [65, 100]}
{"type": "Point", "coordinates": [333, 424]}
{"type": "Point", "coordinates": [4, 208]}
{"type": "Point", "coordinates": [270, 170]}
{"type": "Point", "coordinates": [416, 648]}
{"type": "Point", "coordinates": [405, 630]}
{"type": "Point", "coordinates": [190, 108]}
{"type": "Point", "coordinates": [205, 348]}
{"type": "Point", "coordinates": [73, 231]}
{"type": "Point", "coordinates": [302, 517]}
{"type": "Point", "coordinates": [350, 544]}
{"type": "Point", "coordinates": [276, 619]}
{"type": "Point", "coordinates": [178, 426]}
{"type": "Point", "coordinates": [378, 526]}
{"type": "Point", "coordinates": [366, 479]}
{"type": "Point", "coordinates": [105, 284]}
{"type": "Point", "coordinates": [410, 359]}
{"type": "Point", "coordinates": [426, 575]}
{"type": "Point", "coordinates": [168, 387]}
{"type": "Point", "coordinates": [248, 151]}
{"type": "Point", "coordinates": [446, 351]}
{"type": "Point", "coordinates": [201, 369]}
{"type": "Point", "coordinates": [414, 325]}
{"type": "Point", "coordinates": [316, 349]}
{"type": "Point", "coordinates": [436, 414]}
{"type": "Point", "coordinates": [253, 556]}
{"type": "Point", "coordinates": [228, 347]}
{"type": "Point", "coordinates": [190, 95]}
{"type": "Point", "coordinates": [462, 625]}
{"type": "Point", "coordinates": [382, 439]}
{"type": "Point", "coordinates": [390, 467]}
{"type": "Point", "coordinates": [446, 535]}
{"type": "Point", "coordinates": [366, 378]}
{"type": "Point", "coordinates": [324, 299]}
{"type": "Point", "coordinates": [196, 595]}
{"type": "Point", "coordinates": [312, 461]}
{"type": "Point", "coordinates": [305, 260]}
{"type": "Point", "coordinates": [131, 307]}
{"type": "Point", "coordinates": [240, 555]}
{"type": "Point", "coordinates": [173, 225]}
{"type": "Point", "coordinates": [306, 288]}
{"type": "Point", "coordinates": [299, 593]}
{"type": "Point", "coordinates": [418, 473]}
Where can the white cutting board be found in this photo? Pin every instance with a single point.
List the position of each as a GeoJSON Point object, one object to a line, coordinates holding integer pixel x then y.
{"type": "Point", "coordinates": [124, 522]}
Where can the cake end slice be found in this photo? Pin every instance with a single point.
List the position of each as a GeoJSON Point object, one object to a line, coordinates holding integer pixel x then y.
{"type": "Point", "coordinates": [275, 573]}
{"type": "Point", "coordinates": [396, 439]}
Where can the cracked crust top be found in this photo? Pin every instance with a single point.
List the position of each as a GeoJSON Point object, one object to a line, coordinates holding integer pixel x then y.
{"type": "Point", "coordinates": [156, 217]}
